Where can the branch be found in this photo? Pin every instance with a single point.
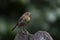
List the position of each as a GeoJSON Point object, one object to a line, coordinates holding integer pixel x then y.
{"type": "Point", "coordinates": [40, 35]}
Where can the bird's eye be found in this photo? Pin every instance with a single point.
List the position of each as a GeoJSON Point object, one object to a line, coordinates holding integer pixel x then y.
{"type": "Point", "coordinates": [27, 13]}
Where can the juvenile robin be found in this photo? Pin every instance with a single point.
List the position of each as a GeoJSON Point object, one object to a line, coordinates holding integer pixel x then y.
{"type": "Point", "coordinates": [23, 21]}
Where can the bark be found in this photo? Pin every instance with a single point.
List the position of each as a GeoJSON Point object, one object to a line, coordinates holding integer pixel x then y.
{"type": "Point", "coordinates": [40, 35]}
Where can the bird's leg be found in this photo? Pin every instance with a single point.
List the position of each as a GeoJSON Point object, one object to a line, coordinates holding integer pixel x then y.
{"type": "Point", "coordinates": [24, 31]}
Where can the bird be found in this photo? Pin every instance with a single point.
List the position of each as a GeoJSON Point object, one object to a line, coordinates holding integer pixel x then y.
{"type": "Point", "coordinates": [23, 21]}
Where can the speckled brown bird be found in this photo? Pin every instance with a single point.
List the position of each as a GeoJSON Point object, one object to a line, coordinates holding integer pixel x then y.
{"type": "Point", "coordinates": [23, 21]}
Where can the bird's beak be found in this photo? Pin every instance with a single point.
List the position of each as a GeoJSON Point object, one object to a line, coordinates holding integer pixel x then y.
{"type": "Point", "coordinates": [30, 14]}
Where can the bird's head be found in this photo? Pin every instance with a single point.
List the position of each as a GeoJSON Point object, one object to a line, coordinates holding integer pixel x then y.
{"type": "Point", "coordinates": [27, 14]}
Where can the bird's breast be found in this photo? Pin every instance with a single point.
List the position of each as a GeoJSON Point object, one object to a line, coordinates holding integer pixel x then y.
{"type": "Point", "coordinates": [27, 18]}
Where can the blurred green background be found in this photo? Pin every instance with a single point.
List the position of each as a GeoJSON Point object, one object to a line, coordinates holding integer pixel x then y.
{"type": "Point", "coordinates": [45, 16]}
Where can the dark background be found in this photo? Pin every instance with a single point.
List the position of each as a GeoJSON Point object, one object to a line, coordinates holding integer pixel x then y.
{"type": "Point", "coordinates": [45, 17]}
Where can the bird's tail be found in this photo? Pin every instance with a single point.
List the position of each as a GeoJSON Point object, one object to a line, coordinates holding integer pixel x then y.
{"type": "Point", "coordinates": [13, 27]}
